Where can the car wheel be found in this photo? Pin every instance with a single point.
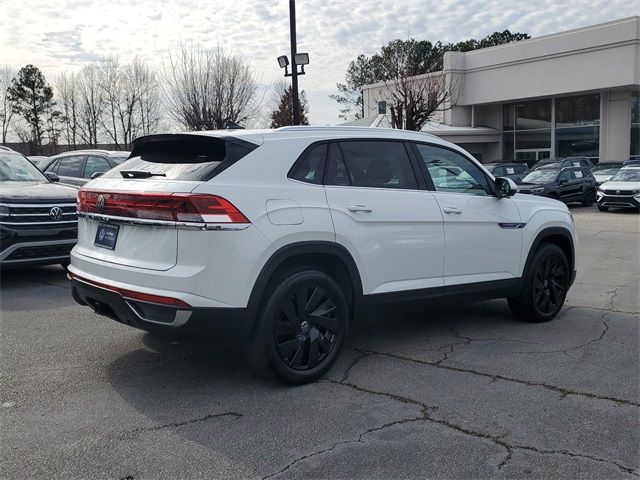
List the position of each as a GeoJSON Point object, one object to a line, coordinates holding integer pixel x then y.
{"type": "Point", "coordinates": [301, 329]}
{"type": "Point", "coordinates": [589, 198]}
{"type": "Point", "coordinates": [603, 209]}
{"type": "Point", "coordinates": [545, 286]}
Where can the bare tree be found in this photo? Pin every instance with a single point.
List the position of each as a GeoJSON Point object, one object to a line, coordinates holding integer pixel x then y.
{"type": "Point", "coordinates": [67, 94]}
{"type": "Point", "coordinates": [208, 89]}
{"type": "Point", "coordinates": [149, 98]}
{"type": "Point", "coordinates": [90, 104]}
{"type": "Point", "coordinates": [6, 109]}
{"type": "Point", "coordinates": [413, 101]}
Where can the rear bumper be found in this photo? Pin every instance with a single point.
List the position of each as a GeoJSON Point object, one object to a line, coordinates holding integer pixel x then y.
{"type": "Point", "coordinates": [220, 324]}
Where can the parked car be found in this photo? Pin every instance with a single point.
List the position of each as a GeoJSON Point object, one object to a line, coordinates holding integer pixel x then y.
{"type": "Point", "coordinates": [561, 162]}
{"type": "Point", "coordinates": [38, 222]}
{"type": "Point", "coordinates": [604, 171]}
{"type": "Point", "coordinates": [622, 191]}
{"type": "Point", "coordinates": [514, 171]}
{"type": "Point", "coordinates": [568, 184]}
{"type": "Point", "coordinates": [38, 160]}
{"type": "Point", "coordinates": [281, 238]}
{"type": "Point", "coordinates": [80, 166]}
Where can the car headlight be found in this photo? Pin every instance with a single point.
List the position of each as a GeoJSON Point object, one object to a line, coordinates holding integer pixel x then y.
{"type": "Point", "coordinates": [537, 190]}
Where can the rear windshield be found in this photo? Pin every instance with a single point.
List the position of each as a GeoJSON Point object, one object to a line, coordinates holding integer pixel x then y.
{"type": "Point", "coordinates": [182, 157]}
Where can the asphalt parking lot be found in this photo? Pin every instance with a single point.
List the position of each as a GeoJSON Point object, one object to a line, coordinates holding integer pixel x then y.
{"type": "Point", "coordinates": [458, 392]}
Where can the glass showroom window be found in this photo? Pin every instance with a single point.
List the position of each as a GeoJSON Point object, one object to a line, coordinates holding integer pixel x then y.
{"type": "Point", "coordinates": [508, 135]}
{"type": "Point", "coordinates": [634, 152]}
{"type": "Point", "coordinates": [577, 125]}
{"type": "Point", "coordinates": [532, 130]}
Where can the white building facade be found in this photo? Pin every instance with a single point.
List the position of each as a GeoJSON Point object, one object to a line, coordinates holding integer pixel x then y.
{"type": "Point", "coordinates": [575, 93]}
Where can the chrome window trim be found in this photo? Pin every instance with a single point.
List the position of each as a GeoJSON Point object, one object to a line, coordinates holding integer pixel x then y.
{"type": "Point", "coordinates": [165, 223]}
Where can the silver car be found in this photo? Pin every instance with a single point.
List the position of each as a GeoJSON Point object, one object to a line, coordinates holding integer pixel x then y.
{"type": "Point", "coordinates": [80, 166]}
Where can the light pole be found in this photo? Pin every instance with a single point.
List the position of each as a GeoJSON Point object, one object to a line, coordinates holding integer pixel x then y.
{"type": "Point", "coordinates": [301, 59]}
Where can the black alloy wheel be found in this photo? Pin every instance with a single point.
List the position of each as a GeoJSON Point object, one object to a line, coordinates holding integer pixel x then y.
{"type": "Point", "coordinates": [589, 198]}
{"type": "Point", "coordinates": [302, 326]}
{"type": "Point", "coordinates": [549, 285]}
{"type": "Point", "coordinates": [307, 327]}
{"type": "Point", "coordinates": [545, 285]}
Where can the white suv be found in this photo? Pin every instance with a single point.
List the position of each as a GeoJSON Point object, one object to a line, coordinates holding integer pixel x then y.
{"type": "Point", "coordinates": [281, 237]}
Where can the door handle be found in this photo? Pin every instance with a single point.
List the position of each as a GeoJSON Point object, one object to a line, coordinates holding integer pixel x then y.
{"type": "Point", "coordinates": [452, 210]}
{"type": "Point", "coordinates": [359, 208]}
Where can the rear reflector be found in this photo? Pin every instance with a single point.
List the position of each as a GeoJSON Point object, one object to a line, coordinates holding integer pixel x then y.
{"type": "Point", "coordinates": [172, 207]}
{"type": "Point", "coordinates": [144, 297]}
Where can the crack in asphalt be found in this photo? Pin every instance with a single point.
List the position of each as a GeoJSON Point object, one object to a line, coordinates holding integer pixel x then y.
{"type": "Point", "coordinates": [186, 422]}
{"type": "Point", "coordinates": [426, 416]}
{"type": "Point", "coordinates": [495, 376]}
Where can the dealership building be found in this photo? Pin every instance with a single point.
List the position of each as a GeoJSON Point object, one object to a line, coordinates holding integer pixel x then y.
{"type": "Point", "coordinates": [574, 93]}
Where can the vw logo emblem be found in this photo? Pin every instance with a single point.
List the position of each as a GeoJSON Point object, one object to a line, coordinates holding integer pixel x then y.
{"type": "Point", "coordinates": [617, 192]}
{"type": "Point", "coordinates": [55, 213]}
{"type": "Point", "coordinates": [100, 203]}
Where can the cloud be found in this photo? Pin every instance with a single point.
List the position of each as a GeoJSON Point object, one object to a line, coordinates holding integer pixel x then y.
{"type": "Point", "coordinates": [68, 33]}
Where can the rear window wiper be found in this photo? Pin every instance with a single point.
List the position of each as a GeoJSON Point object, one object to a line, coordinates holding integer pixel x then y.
{"type": "Point", "coordinates": [140, 174]}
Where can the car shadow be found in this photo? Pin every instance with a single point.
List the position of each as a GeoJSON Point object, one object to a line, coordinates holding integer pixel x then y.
{"type": "Point", "coordinates": [34, 288]}
{"type": "Point", "coordinates": [174, 383]}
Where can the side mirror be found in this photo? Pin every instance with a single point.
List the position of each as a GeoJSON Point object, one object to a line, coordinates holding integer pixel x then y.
{"type": "Point", "coordinates": [562, 181]}
{"type": "Point", "coordinates": [96, 175]}
{"type": "Point", "coordinates": [53, 177]}
{"type": "Point", "coordinates": [505, 187]}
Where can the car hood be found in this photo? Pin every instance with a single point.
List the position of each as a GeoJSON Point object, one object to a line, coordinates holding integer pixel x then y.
{"type": "Point", "coordinates": [602, 177]}
{"type": "Point", "coordinates": [621, 185]}
{"type": "Point", "coordinates": [36, 192]}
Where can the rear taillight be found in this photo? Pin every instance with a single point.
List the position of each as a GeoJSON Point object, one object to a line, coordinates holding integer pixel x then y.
{"type": "Point", "coordinates": [172, 207]}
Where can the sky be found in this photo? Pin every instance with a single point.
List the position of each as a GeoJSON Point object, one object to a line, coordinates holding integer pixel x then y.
{"type": "Point", "coordinates": [63, 35]}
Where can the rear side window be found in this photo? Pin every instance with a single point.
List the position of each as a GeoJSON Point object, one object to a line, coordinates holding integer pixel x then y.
{"type": "Point", "coordinates": [70, 167]}
{"type": "Point", "coordinates": [95, 165]}
{"type": "Point", "coordinates": [378, 164]}
{"type": "Point", "coordinates": [310, 166]}
{"type": "Point", "coordinates": [183, 157]}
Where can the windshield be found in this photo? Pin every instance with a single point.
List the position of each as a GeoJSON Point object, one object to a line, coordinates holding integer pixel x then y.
{"type": "Point", "coordinates": [541, 176]}
{"type": "Point", "coordinates": [605, 170]}
{"type": "Point", "coordinates": [627, 176]}
{"type": "Point", "coordinates": [15, 168]}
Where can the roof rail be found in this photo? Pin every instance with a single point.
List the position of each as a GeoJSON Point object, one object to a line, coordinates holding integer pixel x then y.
{"type": "Point", "coordinates": [338, 128]}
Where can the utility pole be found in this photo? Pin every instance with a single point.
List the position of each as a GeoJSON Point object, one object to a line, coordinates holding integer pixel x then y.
{"type": "Point", "coordinates": [294, 68]}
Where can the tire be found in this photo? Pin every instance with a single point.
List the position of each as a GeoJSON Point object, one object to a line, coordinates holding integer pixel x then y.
{"type": "Point", "coordinates": [301, 329]}
{"type": "Point", "coordinates": [589, 198]}
{"type": "Point", "coordinates": [545, 286]}
{"type": "Point", "coordinates": [603, 209]}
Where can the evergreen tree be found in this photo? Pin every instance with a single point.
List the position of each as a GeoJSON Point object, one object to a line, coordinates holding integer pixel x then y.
{"type": "Point", "coordinates": [283, 116]}
{"type": "Point", "coordinates": [32, 98]}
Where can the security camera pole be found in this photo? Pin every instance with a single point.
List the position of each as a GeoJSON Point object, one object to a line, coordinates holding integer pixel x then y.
{"type": "Point", "coordinates": [294, 68]}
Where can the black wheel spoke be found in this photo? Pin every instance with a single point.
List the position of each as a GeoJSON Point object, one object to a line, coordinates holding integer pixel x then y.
{"type": "Point", "coordinates": [287, 348]}
{"type": "Point", "coordinates": [317, 297]}
{"type": "Point", "coordinates": [327, 323]}
{"type": "Point", "coordinates": [314, 356]}
{"type": "Point", "coordinates": [301, 301]}
{"type": "Point", "coordinates": [296, 361]}
{"type": "Point", "coordinates": [290, 312]}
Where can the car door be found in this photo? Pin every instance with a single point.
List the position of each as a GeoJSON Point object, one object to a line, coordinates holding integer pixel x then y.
{"type": "Point", "coordinates": [95, 164]}
{"type": "Point", "coordinates": [392, 227]}
{"type": "Point", "coordinates": [70, 169]}
{"type": "Point", "coordinates": [566, 189]}
{"type": "Point", "coordinates": [483, 236]}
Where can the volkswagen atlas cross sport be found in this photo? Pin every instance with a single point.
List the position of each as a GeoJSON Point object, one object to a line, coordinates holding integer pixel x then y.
{"type": "Point", "coordinates": [280, 238]}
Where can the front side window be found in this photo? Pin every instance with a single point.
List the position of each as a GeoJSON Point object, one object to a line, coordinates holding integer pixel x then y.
{"type": "Point", "coordinates": [70, 167]}
{"type": "Point", "coordinates": [377, 164]}
{"type": "Point", "coordinates": [577, 174]}
{"type": "Point", "coordinates": [453, 172]}
{"type": "Point", "coordinates": [564, 176]}
{"type": "Point", "coordinates": [96, 165]}
{"type": "Point", "coordinates": [310, 167]}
